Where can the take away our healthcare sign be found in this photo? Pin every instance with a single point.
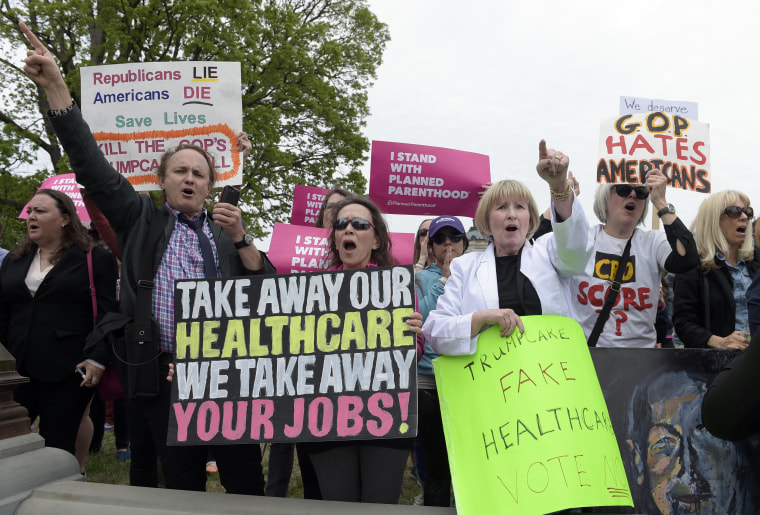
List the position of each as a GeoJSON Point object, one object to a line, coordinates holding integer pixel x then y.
{"type": "Point", "coordinates": [299, 248]}
{"type": "Point", "coordinates": [527, 428]}
{"type": "Point", "coordinates": [138, 111]}
{"type": "Point", "coordinates": [632, 144]}
{"type": "Point", "coordinates": [408, 179]}
{"type": "Point", "coordinates": [295, 358]}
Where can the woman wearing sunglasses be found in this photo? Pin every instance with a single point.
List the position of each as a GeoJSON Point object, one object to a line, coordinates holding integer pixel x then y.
{"type": "Point", "coordinates": [710, 301]}
{"type": "Point", "coordinates": [621, 208]}
{"type": "Point", "coordinates": [446, 241]}
{"type": "Point", "coordinates": [361, 470]}
{"type": "Point", "coordinates": [513, 277]}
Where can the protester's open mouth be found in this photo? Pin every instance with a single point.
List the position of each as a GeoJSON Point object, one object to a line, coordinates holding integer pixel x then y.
{"type": "Point", "coordinates": [631, 207]}
{"type": "Point", "coordinates": [188, 192]}
{"type": "Point", "coordinates": [349, 245]}
{"type": "Point", "coordinates": [33, 226]}
{"type": "Point", "coordinates": [742, 229]}
{"type": "Point", "coordinates": [511, 228]}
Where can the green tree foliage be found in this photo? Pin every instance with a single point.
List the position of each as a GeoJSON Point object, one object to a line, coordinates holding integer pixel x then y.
{"type": "Point", "coordinates": [306, 69]}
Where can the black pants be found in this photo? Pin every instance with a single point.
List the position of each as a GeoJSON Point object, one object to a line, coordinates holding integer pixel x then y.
{"type": "Point", "coordinates": [280, 469]}
{"type": "Point", "coordinates": [437, 485]}
{"type": "Point", "coordinates": [184, 467]}
{"type": "Point", "coordinates": [60, 407]}
{"type": "Point", "coordinates": [120, 425]}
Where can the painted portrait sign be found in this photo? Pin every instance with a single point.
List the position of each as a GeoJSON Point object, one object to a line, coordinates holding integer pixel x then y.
{"type": "Point", "coordinates": [674, 465]}
{"type": "Point", "coordinates": [292, 358]}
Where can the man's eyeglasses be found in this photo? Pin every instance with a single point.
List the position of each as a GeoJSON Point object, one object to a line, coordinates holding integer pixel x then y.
{"type": "Point", "coordinates": [736, 212]}
{"type": "Point", "coordinates": [625, 189]}
{"type": "Point", "coordinates": [360, 224]}
{"type": "Point", "coordinates": [441, 237]}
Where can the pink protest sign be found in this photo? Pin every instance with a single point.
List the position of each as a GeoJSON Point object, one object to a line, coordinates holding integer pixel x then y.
{"type": "Point", "coordinates": [299, 248]}
{"type": "Point", "coordinates": [403, 247]}
{"type": "Point", "coordinates": [65, 183]}
{"type": "Point", "coordinates": [307, 201]}
{"type": "Point", "coordinates": [410, 179]}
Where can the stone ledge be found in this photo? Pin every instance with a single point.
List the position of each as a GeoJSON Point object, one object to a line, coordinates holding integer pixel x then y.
{"type": "Point", "coordinates": [99, 499]}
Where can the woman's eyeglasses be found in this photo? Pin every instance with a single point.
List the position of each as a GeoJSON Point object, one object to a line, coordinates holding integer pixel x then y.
{"type": "Point", "coordinates": [625, 189]}
{"type": "Point", "coordinates": [422, 233]}
{"type": "Point", "coordinates": [441, 237]}
{"type": "Point", "coordinates": [736, 212]}
{"type": "Point", "coordinates": [360, 224]}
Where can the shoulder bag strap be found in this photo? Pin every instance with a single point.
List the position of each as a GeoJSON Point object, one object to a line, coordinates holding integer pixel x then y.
{"type": "Point", "coordinates": [144, 301]}
{"type": "Point", "coordinates": [93, 293]}
{"type": "Point", "coordinates": [611, 297]}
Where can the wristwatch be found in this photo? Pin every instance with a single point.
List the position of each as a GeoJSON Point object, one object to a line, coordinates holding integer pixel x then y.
{"type": "Point", "coordinates": [670, 208]}
{"type": "Point", "coordinates": [247, 241]}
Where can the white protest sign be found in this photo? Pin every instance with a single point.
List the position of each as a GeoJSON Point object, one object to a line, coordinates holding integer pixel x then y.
{"type": "Point", "coordinates": [638, 105]}
{"type": "Point", "coordinates": [138, 111]}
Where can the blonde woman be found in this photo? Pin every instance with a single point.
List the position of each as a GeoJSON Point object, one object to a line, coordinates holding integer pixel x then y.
{"type": "Point", "coordinates": [710, 305]}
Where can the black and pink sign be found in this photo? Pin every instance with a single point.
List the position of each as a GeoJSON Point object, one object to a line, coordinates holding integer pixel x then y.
{"type": "Point", "coordinates": [291, 358]}
{"type": "Point", "coordinates": [408, 179]}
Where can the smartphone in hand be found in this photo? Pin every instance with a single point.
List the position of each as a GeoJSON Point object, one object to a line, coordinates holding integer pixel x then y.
{"type": "Point", "coordinates": [230, 195]}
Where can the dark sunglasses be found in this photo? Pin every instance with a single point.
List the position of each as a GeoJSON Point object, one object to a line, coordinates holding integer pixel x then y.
{"type": "Point", "coordinates": [360, 224]}
{"type": "Point", "coordinates": [422, 233]}
{"type": "Point", "coordinates": [736, 212]}
{"type": "Point", "coordinates": [441, 237]}
{"type": "Point", "coordinates": [625, 189]}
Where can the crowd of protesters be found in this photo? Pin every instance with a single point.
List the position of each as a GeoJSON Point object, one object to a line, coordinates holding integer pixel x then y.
{"type": "Point", "coordinates": [559, 269]}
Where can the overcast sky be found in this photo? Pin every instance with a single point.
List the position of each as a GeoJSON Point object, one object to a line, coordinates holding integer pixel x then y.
{"type": "Point", "coordinates": [496, 77]}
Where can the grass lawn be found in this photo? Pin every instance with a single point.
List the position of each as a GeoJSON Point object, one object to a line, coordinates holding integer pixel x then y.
{"type": "Point", "coordinates": [102, 467]}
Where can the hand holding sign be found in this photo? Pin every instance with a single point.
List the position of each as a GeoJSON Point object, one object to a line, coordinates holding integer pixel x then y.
{"type": "Point", "coordinates": [552, 166]}
{"type": "Point", "coordinates": [243, 145]}
{"type": "Point", "coordinates": [40, 66]}
{"type": "Point", "coordinates": [656, 183]}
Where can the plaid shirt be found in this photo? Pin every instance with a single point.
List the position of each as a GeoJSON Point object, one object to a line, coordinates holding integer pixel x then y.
{"type": "Point", "coordinates": [182, 260]}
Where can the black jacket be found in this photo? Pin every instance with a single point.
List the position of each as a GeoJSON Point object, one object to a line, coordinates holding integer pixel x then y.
{"type": "Point", "coordinates": [46, 333]}
{"type": "Point", "coordinates": [691, 314]}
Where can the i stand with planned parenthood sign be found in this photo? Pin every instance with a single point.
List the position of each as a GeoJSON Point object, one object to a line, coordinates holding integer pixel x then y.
{"type": "Point", "coordinates": [293, 358]}
{"type": "Point", "coordinates": [138, 111]}
{"type": "Point", "coordinates": [527, 428]}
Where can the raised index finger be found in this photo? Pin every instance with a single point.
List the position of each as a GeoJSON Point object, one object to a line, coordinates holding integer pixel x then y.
{"type": "Point", "coordinates": [542, 154]}
{"type": "Point", "coordinates": [36, 43]}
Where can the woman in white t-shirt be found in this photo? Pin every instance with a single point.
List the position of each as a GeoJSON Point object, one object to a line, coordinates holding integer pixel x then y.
{"type": "Point", "coordinates": [621, 208]}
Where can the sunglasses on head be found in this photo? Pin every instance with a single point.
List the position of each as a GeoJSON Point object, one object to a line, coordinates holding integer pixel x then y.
{"type": "Point", "coordinates": [441, 237]}
{"type": "Point", "coordinates": [360, 224]}
{"type": "Point", "coordinates": [625, 189]}
{"type": "Point", "coordinates": [736, 211]}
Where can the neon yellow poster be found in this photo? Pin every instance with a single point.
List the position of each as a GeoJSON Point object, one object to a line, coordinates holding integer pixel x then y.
{"type": "Point", "coordinates": [527, 429]}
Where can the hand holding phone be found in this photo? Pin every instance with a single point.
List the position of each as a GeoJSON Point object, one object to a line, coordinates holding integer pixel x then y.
{"type": "Point", "coordinates": [230, 195]}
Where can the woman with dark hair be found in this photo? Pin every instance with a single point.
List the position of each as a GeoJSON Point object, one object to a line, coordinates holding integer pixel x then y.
{"type": "Point", "coordinates": [360, 235]}
{"type": "Point", "coordinates": [361, 470]}
{"type": "Point", "coordinates": [326, 213]}
{"type": "Point", "coordinates": [46, 313]}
